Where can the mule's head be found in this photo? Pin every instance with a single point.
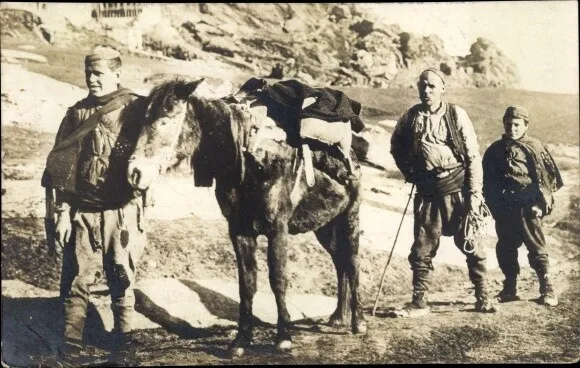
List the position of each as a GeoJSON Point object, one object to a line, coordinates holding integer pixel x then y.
{"type": "Point", "coordinates": [164, 128]}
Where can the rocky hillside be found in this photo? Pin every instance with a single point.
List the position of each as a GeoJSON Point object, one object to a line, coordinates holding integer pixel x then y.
{"type": "Point", "coordinates": [322, 44]}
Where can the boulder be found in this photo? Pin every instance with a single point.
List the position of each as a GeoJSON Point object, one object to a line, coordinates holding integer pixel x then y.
{"type": "Point", "coordinates": [340, 12]}
{"type": "Point", "coordinates": [204, 8]}
{"type": "Point", "coordinates": [362, 28]}
{"type": "Point", "coordinates": [221, 45]}
{"type": "Point", "coordinates": [489, 66]}
{"type": "Point", "coordinates": [294, 25]}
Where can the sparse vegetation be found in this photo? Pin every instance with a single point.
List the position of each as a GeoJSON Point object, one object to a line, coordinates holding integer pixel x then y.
{"type": "Point", "coordinates": [192, 247]}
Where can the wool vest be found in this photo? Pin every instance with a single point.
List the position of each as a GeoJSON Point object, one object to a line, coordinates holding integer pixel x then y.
{"type": "Point", "coordinates": [412, 134]}
{"type": "Point", "coordinates": [89, 165]}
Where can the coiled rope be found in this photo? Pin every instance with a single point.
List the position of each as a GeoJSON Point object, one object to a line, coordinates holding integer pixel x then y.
{"type": "Point", "coordinates": [474, 226]}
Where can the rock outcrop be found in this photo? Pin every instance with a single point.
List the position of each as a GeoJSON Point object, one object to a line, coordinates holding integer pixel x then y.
{"type": "Point", "coordinates": [323, 44]}
{"type": "Point", "coordinates": [330, 44]}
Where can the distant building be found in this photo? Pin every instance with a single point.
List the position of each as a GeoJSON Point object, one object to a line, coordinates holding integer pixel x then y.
{"type": "Point", "coordinates": [117, 10]}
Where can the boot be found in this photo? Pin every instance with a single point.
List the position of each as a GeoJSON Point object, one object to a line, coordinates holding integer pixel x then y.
{"type": "Point", "coordinates": [547, 295]}
{"type": "Point", "coordinates": [483, 303]}
{"type": "Point", "coordinates": [73, 352]}
{"type": "Point", "coordinates": [477, 271]}
{"type": "Point", "coordinates": [122, 327]}
{"type": "Point", "coordinates": [75, 312]}
{"type": "Point", "coordinates": [509, 291]}
{"type": "Point", "coordinates": [418, 307]}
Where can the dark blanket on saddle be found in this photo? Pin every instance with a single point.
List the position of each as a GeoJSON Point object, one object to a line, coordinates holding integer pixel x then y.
{"type": "Point", "coordinates": [331, 105]}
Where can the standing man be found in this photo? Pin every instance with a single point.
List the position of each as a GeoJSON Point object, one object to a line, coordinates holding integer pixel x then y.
{"type": "Point", "coordinates": [435, 147]}
{"type": "Point", "coordinates": [98, 216]}
{"type": "Point", "coordinates": [519, 178]}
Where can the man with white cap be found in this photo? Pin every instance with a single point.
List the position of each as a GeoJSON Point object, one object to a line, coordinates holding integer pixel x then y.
{"type": "Point", "coordinates": [435, 147]}
{"type": "Point", "coordinates": [98, 215]}
{"type": "Point", "coordinates": [519, 178]}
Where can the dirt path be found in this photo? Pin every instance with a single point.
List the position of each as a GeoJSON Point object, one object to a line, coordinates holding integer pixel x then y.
{"type": "Point", "coordinates": [521, 332]}
{"type": "Point", "coordinates": [188, 241]}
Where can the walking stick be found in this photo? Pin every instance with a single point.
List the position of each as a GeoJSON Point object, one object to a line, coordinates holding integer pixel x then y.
{"type": "Point", "coordinates": [392, 249]}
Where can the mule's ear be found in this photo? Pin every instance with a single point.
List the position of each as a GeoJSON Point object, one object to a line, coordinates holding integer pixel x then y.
{"type": "Point", "coordinates": [192, 86]}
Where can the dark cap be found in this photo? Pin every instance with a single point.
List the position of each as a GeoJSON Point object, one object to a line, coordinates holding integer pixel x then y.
{"type": "Point", "coordinates": [516, 112]}
{"type": "Point", "coordinates": [102, 52]}
{"type": "Point", "coordinates": [434, 71]}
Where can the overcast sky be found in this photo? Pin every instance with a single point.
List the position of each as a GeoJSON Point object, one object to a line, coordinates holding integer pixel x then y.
{"type": "Point", "coordinates": [541, 37]}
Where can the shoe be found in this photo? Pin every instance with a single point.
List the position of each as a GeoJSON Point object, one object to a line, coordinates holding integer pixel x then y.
{"type": "Point", "coordinates": [122, 341]}
{"type": "Point", "coordinates": [74, 353]}
{"type": "Point", "coordinates": [549, 299]}
{"type": "Point", "coordinates": [417, 308]}
{"type": "Point", "coordinates": [509, 291]}
{"type": "Point", "coordinates": [547, 295]}
{"type": "Point", "coordinates": [71, 347]}
{"type": "Point", "coordinates": [506, 296]}
{"type": "Point", "coordinates": [485, 305]}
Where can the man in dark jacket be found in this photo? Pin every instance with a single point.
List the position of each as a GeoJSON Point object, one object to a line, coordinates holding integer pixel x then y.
{"type": "Point", "coordinates": [519, 178]}
{"type": "Point", "coordinates": [98, 215]}
{"type": "Point", "coordinates": [435, 147]}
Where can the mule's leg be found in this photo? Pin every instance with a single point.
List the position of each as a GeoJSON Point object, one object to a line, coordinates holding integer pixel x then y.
{"type": "Point", "coordinates": [277, 258]}
{"type": "Point", "coordinates": [245, 248]}
{"type": "Point", "coordinates": [326, 235]}
{"type": "Point", "coordinates": [348, 246]}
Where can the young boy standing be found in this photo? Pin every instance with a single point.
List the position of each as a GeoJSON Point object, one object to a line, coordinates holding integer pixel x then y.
{"type": "Point", "coordinates": [519, 178]}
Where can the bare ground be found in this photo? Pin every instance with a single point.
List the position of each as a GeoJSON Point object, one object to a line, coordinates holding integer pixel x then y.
{"type": "Point", "coordinates": [521, 332]}
{"type": "Point", "coordinates": [194, 244]}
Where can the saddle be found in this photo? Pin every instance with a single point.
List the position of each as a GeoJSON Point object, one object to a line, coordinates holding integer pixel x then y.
{"type": "Point", "coordinates": [303, 122]}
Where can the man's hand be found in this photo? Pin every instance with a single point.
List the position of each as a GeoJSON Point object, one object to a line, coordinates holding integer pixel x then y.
{"type": "Point", "coordinates": [475, 201]}
{"type": "Point", "coordinates": [63, 229]}
{"type": "Point", "coordinates": [550, 207]}
{"type": "Point", "coordinates": [537, 212]}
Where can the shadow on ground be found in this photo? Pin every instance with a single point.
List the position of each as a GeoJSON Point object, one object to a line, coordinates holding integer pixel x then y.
{"type": "Point", "coordinates": [31, 329]}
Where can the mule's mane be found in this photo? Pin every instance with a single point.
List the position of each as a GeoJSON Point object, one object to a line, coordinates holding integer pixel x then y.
{"type": "Point", "coordinates": [224, 133]}
{"type": "Point", "coordinates": [213, 130]}
{"type": "Point", "coordinates": [163, 98]}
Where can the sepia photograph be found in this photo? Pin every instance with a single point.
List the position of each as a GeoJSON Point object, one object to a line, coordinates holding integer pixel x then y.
{"type": "Point", "coordinates": [199, 184]}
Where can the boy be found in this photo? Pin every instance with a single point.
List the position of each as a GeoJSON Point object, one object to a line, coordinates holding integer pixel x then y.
{"type": "Point", "coordinates": [519, 178]}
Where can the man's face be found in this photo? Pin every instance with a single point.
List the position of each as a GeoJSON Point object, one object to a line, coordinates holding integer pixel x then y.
{"type": "Point", "coordinates": [515, 128]}
{"type": "Point", "coordinates": [431, 87]}
{"type": "Point", "coordinates": [100, 79]}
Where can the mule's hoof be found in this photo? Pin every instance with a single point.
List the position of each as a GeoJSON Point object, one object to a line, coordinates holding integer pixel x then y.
{"type": "Point", "coordinates": [335, 322]}
{"type": "Point", "coordinates": [284, 345]}
{"type": "Point", "coordinates": [237, 351]}
{"type": "Point", "coordinates": [360, 329]}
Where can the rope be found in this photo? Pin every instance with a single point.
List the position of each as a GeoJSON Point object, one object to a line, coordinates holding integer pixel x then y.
{"type": "Point", "coordinates": [474, 227]}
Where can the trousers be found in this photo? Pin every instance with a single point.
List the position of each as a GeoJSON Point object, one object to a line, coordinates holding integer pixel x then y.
{"type": "Point", "coordinates": [106, 243]}
{"type": "Point", "coordinates": [514, 226]}
{"type": "Point", "coordinates": [436, 216]}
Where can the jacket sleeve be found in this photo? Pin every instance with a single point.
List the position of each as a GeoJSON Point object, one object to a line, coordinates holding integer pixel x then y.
{"type": "Point", "coordinates": [67, 126]}
{"type": "Point", "coordinates": [491, 180]}
{"type": "Point", "coordinates": [399, 149]}
{"type": "Point", "coordinates": [474, 170]}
